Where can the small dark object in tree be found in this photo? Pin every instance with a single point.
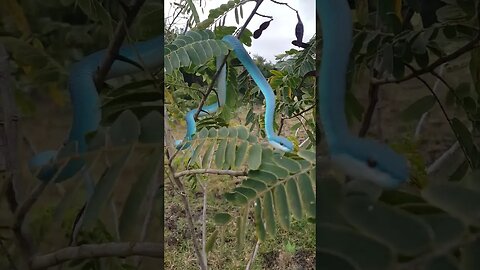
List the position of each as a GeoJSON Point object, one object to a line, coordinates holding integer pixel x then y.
{"type": "Point", "coordinates": [262, 27]}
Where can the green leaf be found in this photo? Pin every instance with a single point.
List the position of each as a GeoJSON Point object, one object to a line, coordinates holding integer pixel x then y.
{"type": "Point", "coordinates": [255, 156]}
{"type": "Point", "coordinates": [460, 172]}
{"type": "Point", "coordinates": [242, 133]}
{"type": "Point", "coordinates": [326, 260]}
{"type": "Point", "coordinates": [104, 188]}
{"type": "Point", "coordinates": [150, 133]}
{"type": "Point", "coordinates": [259, 224]}
{"type": "Point", "coordinates": [294, 198]}
{"type": "Point", "coordinates": [237, 20]}
{"type": "Point", "coordinates": [281, 205]}
{"type": "Point", "coordinates": [308, 155]}
{"type": "Point", "coordinates": [395, 197]}
{"type": "Point", "coordinates": [307, 194]}
{"type": "Point", "coordinates": [441, 263]}
{"type": "Point", "coordinates": [211, 241]}
{"type": "Point", "coordinates": [455, 199]}
{"type": "Point", "coordinates": [398, 68]}
{"type": "Point", "coordinates": [138, 192]}
{"type": "Point", "coordinates": [469, 256]}
{"type": "Point", "coordinates": [422, 59]}
{"type": "Point", "coordinates": [222, 218]}
{"type": "Point", "coordinates": [357, 248]}
{"type": "Point", "coordinates": [196, 47]}
{"type": "Point", "coordinates": [388, 225]}
{"type": "Point", "coordinates": [387, 62]}
{"type": "Point", "coordinates": [329, 199]}
{"type": "Point", "coordinates": [236, 198]}
{"type": "Point", "coordinates": [240, 153]}
{"type": "Point", "coordinates": [198, 147]}
{"type": "Point", "coordinates": [193, 9]}
{"type": "Point", "coordinates": [419, 107]}
{"type": "Point", "coordinates": [450, 13]}
{"type": "Point", "coordinates": [125, 130]}
{"type": "Point", "coordinates": [450, 31]}
{"type": "Point", "coordinates": [230, 153]}
{"type": "Point", "coordinates": [242, 227]}
{"type": "Point", "coordinates": [279, 172]}
{"type": "Point", "coordinates": [220, 153]}
{"type": "Point", "coordinates": [289, 164]}
{"type": "Point", "coordinates": [465, 138]}
{"type": "Point", "coordinates": [223, 132]}
{"type": "Point", "coordinates": [246, 191]}
{"type": "Point", "coordinates": [446, 229]}
{"type": "Point", "coordinates": [268, 213]}
{"type": "Point", "coordinates": [475, 68]}
{"type": "Point", "coordinates": [96, 139]}
{"type": "Point", "coordinates": [207, 156]}
{"type": "Point", "coordinates": [266, 177]}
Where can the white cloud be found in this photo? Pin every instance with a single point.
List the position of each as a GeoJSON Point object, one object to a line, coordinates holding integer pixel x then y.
{"type": "Point", "coordinates": [277, 38]}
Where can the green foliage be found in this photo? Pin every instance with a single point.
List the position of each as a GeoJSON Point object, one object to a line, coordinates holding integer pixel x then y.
{"type": "Point", "coordinates": [217, 15]}
{"type": "Point", "coordinates": [277, 185]}
{"type": "Point", "coordinates": [427, 223]}
{"type": "Point", "coordinates": [195, 47]}
{"type": "Point", "coordinates": [356, 227]}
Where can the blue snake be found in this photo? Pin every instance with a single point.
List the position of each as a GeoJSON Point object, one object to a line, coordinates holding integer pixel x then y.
{"type": "Point", "coordinates": [362, 158]}
{"type": "Point", "coordinates": [86, 102]}
{"type": "Point", "coordinates": [276, 141]}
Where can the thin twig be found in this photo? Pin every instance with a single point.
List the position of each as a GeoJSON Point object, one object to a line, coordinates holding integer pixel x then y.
{"type": "Point", "coordinates": [211, 171]}
{"type": "Point", "coordinates": [175, 16]}
{"type": "Point", "coordinates": [254, 254]}
{"type": "Point", "coordinates": [285, 4]}
{"type": "Point", "coordinates": [373, 100]}
{"type": "Point", "coordinates": [300, 113]}
{"type": "Point", "coordinates": [122, 249]}
{"type": "Point", "coordinates": [204, 220]}
{"type": "Point", "coordinates": [444, 111]}
{"type": "Point", "coordinates": [440, 61]}
{"type": "Point", "coordinates": [265, 16]}
{"type": "Point", "coordinates": [180, 189]}
{"type": "Point", "coordinates": [116, 43]}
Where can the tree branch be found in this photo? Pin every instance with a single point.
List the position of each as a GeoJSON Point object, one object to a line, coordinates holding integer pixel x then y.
{"type": "Point", "coordinates": [116, 43]}
{"type": "Point", "coordinates": [211, 171]}
{"type": "Point", "coordinates": [367, 119]}
{"type": "Point", "coordinates": [170, 152]}
{"type": "Point", "coordinates": [148, 249]}
{"type": "Point", "coordinates": [464, 49]}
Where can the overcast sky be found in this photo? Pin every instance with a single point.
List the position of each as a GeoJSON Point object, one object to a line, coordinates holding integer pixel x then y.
{"type": "Point", "coordinates": [277, 38]}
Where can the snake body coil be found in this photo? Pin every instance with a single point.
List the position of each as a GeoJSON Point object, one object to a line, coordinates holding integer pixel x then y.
{"type": "Point", "coordinates": [86, 101]}
{"type": "Point", "coordinates": [276, 141]}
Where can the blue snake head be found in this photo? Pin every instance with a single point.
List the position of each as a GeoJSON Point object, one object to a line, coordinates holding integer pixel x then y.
{"type": "Point", "coordinates": [281, 143]}
{"type": "Point", "coordinates": [370, 160]}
